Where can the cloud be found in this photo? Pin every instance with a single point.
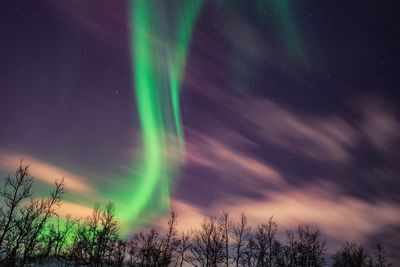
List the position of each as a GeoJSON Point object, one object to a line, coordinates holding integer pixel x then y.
{"type": "Point", "coordinates": [320, 138]}
{"type": "Point", "coordinates": [232, 163]}
{"type": "Point", "coordinates": [73, 209]}
{"type": "Point", "coordinates": [380, 125]}
{"type": "Point", "coordinates": [43, 171]}
{"type": "Point", "coordinates": [338, 216]}
{"type": "Point", "coordinates": [355, 199]}
{"type": "Point", "coordinates": [106, 19]}
{"type": "Point", "coordinates": [322, 203]}
{"type": "Point", "coordinates": [189, 216]}
{"type": "Point", "coordinates": [324, 138]}
{"type": "Point", "coordinates": [342, 217]}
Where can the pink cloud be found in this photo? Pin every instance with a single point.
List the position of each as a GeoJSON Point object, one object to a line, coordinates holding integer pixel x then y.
{"type": "Point", "coordinates": [338, 216]}
{"type": "Point", "coordinates": [320, 138]}
{"type": "Point", "coordinates": [43, 171]}
{"type": "Point", "coordinates": [324, 138]}
{"type": "Point", "coordinates": [234, 165]}
{"type": "Point", "coordinates": [380, 125]}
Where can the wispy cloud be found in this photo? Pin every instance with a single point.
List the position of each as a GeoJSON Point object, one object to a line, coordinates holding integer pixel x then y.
{"type": "Point", "coordinates": [380, 125]}
{"type": "Point", "coordinates": [75, 210]}
{"type": "Point", "coordinates": [339, 202]}
{"type": "Point", "coordinates": [106, 19]}
{"type": "Point", "coordinates": [229, 162]}
{"type": "Point", "coordinates": [320, 138]}
{"type": "Point", "coordinates": [340, 217]}
{"type": "Point", "coordinates": [43, 171]}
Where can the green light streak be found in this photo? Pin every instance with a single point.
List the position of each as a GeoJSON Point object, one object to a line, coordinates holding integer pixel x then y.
{"type": "Point", "coordinates": [160, 33]}
{"type": "Point", "coordinates": [160, 42]}
{"type": "Point", "coordinates": [179, 58]}
{"type": "Point", "coordinates": [158, 65]}
{"type": "Point", "coordinates": [281, 16]}
{"type": "Point", "coordinates": [148, 107]}
{"type": "Point", "coordinates": [290, 32]}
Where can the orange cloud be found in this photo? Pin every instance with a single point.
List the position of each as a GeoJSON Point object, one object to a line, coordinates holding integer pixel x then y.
{"type": "Point", "coordinates": [73, 209]}
{"type": "Point", "coordinates": [43, 171]}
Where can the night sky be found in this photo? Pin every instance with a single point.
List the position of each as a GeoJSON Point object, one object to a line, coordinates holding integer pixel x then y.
{"type": "Point", "coordinates": [284, 108]}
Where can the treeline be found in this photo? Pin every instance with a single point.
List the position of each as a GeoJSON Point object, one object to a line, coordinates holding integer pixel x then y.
{"type": "Point", "coordinates": [31, 233]}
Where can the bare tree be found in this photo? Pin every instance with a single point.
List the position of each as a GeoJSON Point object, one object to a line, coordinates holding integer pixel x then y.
{"type": "Point", "coordinates": [107, 235]}
{"type": "Point", "coordinates": [290, 250]}
{"type": "Point", "coordinates": [119, 253]}
{"type": "Point", "coordinates": [183, 245]}
{"type": "Point", "coordinates": [207, 248]}
{"type": "Point", "coordinates": [23, 218]}
{"type": "Point", "coordinates": [96, 236]}
{"type": "Point", "coordinates": [351, 255]}
{"type": "Point", "coordinates": [31, 231]}
{"type": "Point", "coordinates": [305, 248]}
{"type": "Point", "coordinates": [63, 233]}
{"type": "Point", "coordinates": [264, 241]}
{"type": "Point", "coordinates": [148, 247]}
{"type": "Point", "coordinates": [132, 249]}
{"type": "Point", "coordinates": [15, 190]}
{"type": "Point", "coordinates": [380, 257]}
{"type": "Point", "coordinates": [45, 209]}
{"type": "Point", "coordinates": [56, 239]}
{"type": "Point", "coordinates": [225, 226]}
{"type": "Point", "coordinates": [241, 235]}
{"type": "Point", "coordinates": [312, 247]}
{"type": "Point", "coordinates": [169, 242]}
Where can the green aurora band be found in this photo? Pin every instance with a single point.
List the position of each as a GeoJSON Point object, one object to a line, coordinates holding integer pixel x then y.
{"type": "Point", "coordinates": [160, 37]}
{"type": "Point", "coordinates": [290, 33]}
{"type": "Point", "coordinates": [160, 43]}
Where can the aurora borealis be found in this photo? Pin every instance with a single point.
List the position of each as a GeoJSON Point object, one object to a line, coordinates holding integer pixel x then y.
{"type": "Point", "coordinates": [278, 107]}
{"type": "Point", "coordinates": [159, 53]}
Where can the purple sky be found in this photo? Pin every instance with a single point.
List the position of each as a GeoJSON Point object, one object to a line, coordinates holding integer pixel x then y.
{"type": "Point", "coordinates": [313, 141]}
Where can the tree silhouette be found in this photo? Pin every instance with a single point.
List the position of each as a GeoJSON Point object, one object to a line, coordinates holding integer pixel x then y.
{"type": "Point", "coordinates": [169, 242]}
{"type": "Point", "coordinates": [56, 239]}
{"type": "Point", "coordinates": [241, 236]}
{"type": "Point", "coordinates": [16, 189]}
{"type": "Point", "coordinates": [351, 255]}
{"type": "Point", "coordinates": [225, 226]}
{"type": "Point", "coordinates": [305, 247]}
{"type": "Point", "coordinates": [24, 218]}
{"type": "Point", "coordinates": [182, 247]}
{"type": "Point", "coordinates": [42, 211]}
{"type": "Point", "coordinates": [31, 232]}
{"type": "Point", "coordinates": [119, 253]}
{"type": "Point", "coordinates": [380, 257]}
{"type": "Point", "coordinates": [207, 248]}
{"type": "Point", "coordinates": [96, 237]}
{"type": "Point", "coordinates": [264, 242]}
